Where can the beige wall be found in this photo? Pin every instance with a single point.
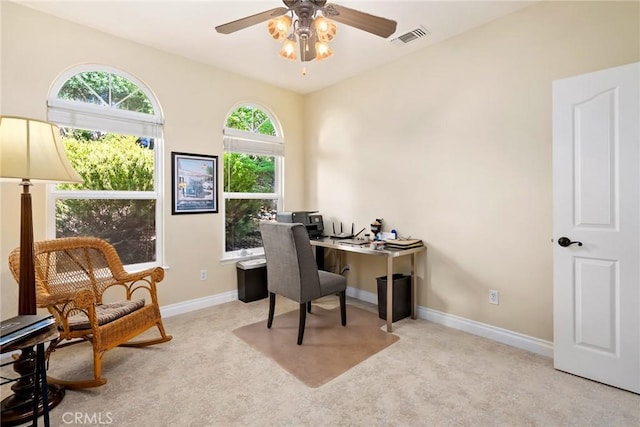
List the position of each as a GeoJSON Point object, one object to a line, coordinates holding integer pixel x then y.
{"type": "Point", "coordinates": [453, 145]}
{"type": "Point", "coordinates": [195, 99]}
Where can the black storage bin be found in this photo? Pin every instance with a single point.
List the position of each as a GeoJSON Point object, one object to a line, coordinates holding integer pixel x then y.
{"type": "Point", "coordinates": [401, 296]}
{"type": "Point", "coordinates": [252, 280]}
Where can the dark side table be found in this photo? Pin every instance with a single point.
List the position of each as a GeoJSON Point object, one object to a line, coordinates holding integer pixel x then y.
{"type": "Point", "coordinates": [32, 396]}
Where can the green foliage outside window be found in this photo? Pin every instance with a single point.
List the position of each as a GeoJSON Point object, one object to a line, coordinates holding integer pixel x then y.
{"type": "Point", "coordinates": [107, 89]}
{"type": "Point", "coordinates": [251, 120]}
{"type": "Point", "coordinates": [110, 162]}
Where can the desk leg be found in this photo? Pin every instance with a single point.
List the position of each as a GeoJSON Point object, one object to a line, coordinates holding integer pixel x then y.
{"type": "Point", "coordinates": [42, 382]}
{"type": "Point", "coordinates": [389, 294]}
{"type": "Point", "coordinates": [414, 288]}
{"type": "Point", "coordinates": [319, 257]}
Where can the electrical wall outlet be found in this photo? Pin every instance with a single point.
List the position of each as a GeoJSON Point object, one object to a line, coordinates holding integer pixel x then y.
{"type": "Point", "coordinates": [203, 274]}
{"type": "Point", "coordinates": [494, 297]}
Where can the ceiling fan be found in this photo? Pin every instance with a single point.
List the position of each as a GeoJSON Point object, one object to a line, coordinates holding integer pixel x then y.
{"type": "Point", "coordinates": [311, 26]}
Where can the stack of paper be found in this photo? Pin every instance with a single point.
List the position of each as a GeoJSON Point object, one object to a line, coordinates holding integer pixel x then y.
{"type": "Point", "coordinates": [19, 327]}
{"type": "Point", "coordinates": [403, 243]}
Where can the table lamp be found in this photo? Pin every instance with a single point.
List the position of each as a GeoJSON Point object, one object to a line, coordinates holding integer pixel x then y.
{"type": "Point", "coordinates": [30, 150]}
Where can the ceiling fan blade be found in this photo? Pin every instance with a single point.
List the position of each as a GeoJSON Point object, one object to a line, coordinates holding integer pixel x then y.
{"type": "Point", "coordinates": [308, 50]}
{"type": "Point", "coordinates": [248, 21]}
{"type": "Point", "coordinates": [363, 21]}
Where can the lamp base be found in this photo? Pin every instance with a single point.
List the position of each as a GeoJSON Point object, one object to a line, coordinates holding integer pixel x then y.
{"type": "Point", "coordinates": [16, 412]}
{"type": "Point", "coordinates": [18, 408]}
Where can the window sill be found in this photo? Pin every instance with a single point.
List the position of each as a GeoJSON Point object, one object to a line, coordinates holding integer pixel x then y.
{"type": "Point", "coordinates": [233, 257]}
{"type": "Point", "coordinates": [132, 268]}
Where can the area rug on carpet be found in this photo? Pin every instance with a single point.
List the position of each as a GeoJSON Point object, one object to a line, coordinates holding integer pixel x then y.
{"type": "Point", "coordinates": [329, 349]}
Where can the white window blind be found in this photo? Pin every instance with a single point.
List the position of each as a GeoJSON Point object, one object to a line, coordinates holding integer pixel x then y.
{"type": "Point", "coordinates": [78, 115]}
{"type": "Point", "coordinates": [246, 142]}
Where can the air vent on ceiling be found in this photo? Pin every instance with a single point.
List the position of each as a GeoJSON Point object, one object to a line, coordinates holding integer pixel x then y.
{"type": "Point", "coordinates": [410, 36]}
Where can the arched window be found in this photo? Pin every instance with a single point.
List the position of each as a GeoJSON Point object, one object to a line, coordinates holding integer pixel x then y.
{"type": "Point", "coordinates": [111, 126]}
{"type": "Point", "coordinates": [252, 174]}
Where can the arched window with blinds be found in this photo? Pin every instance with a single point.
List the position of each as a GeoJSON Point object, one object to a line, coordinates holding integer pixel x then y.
{"type": "Point", "coordinates": [111, 126]}
{"type": "Point", "coordinates": [252, 175]}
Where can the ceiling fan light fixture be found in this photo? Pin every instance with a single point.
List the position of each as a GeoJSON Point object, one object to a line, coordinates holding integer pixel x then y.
{"type": "Point", "coordinates": [308, 27]}
{"type": "Point", "coordinates": [325, 29]}
{"type": "Point", "coordinates": [323, 51]}
{"type": "Point", "coordinates": [289, 48]}
{"type": "Point", "coordinates": [278, 27]}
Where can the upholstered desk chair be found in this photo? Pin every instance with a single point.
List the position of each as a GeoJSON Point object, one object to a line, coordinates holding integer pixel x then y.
{"type": "Point", "coordinates": [292, 271]}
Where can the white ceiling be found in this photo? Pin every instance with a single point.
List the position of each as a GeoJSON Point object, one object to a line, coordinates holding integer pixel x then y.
{"type": "Point", "coordinates": [186, 28]}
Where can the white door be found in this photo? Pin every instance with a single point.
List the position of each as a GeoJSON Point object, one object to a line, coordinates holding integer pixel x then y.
{"type": "Point", "coordinates": [596, 254]}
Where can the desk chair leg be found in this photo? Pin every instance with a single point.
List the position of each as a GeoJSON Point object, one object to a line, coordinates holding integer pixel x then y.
{"type": "Point", "coordinates": [303, 318]}
{"type": "Point", "coordinates": [343, 308]}
{"type": "Point", "coordinates": [309, 307]}
{"type": "Point", "coordinates": [272, 308]}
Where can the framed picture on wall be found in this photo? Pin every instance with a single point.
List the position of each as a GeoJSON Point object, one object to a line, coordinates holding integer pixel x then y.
{"type": "Point", "coordinates": [194, 183]}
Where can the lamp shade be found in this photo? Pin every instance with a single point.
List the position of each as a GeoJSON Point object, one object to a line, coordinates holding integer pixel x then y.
{"type": "Point", "coordinates": [32, 149]}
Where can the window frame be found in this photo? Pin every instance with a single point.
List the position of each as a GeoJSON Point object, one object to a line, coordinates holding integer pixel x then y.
{"type": "Point", "coordinates": [239, 141]}
{"type": "Point", "coordinates": [77, 114]}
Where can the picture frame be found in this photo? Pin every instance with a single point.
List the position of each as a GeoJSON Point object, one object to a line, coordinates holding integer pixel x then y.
{"type": "Point", "coordinates": [194, 183]}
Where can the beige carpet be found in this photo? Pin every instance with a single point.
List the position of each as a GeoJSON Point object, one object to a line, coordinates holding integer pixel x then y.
{"type": "Point", "coordinates": [328, 349]}
{"type": "Point", "coordinates": [432, 376]}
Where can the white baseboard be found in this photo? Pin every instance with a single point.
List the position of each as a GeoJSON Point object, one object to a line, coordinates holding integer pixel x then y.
{"type": "Point", "coordinates": [505, 336]}
{"type": "Point", "coordinates": [514, 339]}
{"type": "Point", "coordinates": [365, 296]}
{"type": "Point", "coordinates": [197, 304]}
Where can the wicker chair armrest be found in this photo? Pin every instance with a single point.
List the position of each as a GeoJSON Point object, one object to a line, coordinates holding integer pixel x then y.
{"type": "Point", "coordinates": [139, 283]}
{"type": "Point", "coordinates": [64, 305]}
{"type": "Point", "coordinates": [80, 299]}
{"type": "Point", "coordinates": [154, 274]}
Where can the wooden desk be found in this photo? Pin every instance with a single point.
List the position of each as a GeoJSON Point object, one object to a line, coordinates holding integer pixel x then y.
{"type": "Point", "coordinates": [389, 254]}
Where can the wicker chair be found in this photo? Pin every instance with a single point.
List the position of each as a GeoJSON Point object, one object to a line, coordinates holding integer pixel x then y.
{"type": "Point", "coordinates": [72, 275]}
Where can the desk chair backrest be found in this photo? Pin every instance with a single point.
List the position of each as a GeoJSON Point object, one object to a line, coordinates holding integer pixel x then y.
{"type": "Point", "coordinates": [291, 265]}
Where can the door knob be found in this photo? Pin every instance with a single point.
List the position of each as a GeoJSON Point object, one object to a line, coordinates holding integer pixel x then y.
{"type": "Point", "coordinates": [565, 241]}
